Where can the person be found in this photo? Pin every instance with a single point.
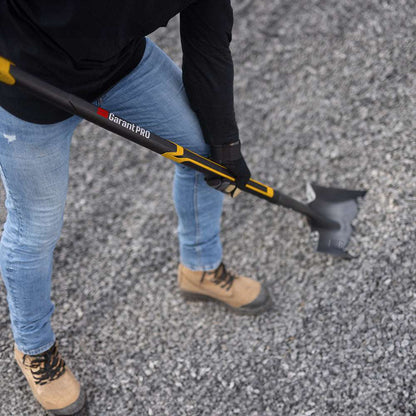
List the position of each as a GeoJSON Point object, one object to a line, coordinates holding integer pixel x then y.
{"type": "Point", "coordinates": [99, 51]}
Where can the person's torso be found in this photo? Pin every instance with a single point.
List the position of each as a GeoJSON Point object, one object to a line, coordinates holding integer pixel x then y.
{"type": "Point", "coordinates": [90, 32]}
{"type": "Point", "coordinates": [81, 46]}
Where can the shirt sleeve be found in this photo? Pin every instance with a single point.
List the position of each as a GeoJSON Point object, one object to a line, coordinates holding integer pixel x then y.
{"type": "Point", "coordinates": [208, 72]}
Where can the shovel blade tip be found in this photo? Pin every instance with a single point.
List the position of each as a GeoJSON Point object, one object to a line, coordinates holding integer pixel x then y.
{"type": "Point", "coordinates": [339, 205]}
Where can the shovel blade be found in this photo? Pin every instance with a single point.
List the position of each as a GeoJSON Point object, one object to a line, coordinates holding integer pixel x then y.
{"type": "Point", "coordinates": [339, 205]}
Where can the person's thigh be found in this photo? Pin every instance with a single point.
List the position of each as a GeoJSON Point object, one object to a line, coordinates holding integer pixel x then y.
{"type": "Point", "coordinates": [153, 96]}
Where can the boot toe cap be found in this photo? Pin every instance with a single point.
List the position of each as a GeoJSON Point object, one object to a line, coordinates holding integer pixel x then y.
{"type": "Point", "coordinates": [74, 408]}
{"type": "Point", "coordinates": [261, 303]}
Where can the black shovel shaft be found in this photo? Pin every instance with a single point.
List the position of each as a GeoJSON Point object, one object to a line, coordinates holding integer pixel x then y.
{"type": "Point", "coordinates": [11, 74]}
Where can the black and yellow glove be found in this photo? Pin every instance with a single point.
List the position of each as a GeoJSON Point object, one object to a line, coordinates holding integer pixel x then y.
{"type": "Point", "coordinates": [229, 155]}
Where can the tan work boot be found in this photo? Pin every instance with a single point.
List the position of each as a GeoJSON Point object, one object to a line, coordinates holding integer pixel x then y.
{"type": "Point", "coordinates": [241, 294]}
{"type": "Point", "coordinates": [52, 383]}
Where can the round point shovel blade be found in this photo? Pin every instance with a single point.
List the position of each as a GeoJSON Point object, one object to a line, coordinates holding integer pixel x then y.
{"type": "Point", "coordinates": [340, 206]}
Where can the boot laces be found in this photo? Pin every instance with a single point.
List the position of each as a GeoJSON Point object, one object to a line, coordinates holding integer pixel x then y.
{"type": "Point", "coordinates": [47, 366]}
{"type": "Point", "coordinates": [221, 276]}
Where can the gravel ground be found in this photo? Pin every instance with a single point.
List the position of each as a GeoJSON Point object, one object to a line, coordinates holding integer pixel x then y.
{"type": "Point", "coordinates": [325, 91]}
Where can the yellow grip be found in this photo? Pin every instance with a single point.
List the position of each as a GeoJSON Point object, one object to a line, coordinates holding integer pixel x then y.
{"type": "Point", "coordinates": [5, 75]}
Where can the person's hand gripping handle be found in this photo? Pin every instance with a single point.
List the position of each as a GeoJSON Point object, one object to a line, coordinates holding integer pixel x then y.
{"type": "Point", "coordinates": [230, 156]}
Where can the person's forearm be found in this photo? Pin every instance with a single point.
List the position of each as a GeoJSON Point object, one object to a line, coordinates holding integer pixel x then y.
{"type": "Point", "coordinates": [208, 72]}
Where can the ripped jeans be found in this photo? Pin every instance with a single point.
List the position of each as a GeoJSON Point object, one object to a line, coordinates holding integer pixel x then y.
{"type": "Point", "coordinates": [34, 162]}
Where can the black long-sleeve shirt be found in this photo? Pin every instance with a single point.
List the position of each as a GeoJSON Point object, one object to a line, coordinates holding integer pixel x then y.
{"type": "Point", "coordinates": [86, 46]}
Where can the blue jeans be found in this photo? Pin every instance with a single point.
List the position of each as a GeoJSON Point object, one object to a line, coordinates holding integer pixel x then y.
{"type": "Point", "coordinates": [34, 163]}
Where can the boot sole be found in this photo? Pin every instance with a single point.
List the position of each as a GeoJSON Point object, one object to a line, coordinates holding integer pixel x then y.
{"type": "Point", "coordinates": [195, 297]}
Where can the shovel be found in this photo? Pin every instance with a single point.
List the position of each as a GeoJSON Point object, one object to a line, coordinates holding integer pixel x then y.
{"type": "Point", "coordinates": [330, 213]}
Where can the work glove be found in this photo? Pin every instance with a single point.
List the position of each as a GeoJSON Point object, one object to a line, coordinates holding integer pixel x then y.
{"type": "Point", "coordinates": [229, 155]}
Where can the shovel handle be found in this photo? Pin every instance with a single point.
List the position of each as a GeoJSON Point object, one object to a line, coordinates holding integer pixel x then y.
{"type": "Point", "coordinates": [5, 75]}
{"type": "Point", "coordinates": [11, 75]}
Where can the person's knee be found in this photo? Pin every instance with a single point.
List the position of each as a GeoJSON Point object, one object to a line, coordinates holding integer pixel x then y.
{"type": "Point", "coordinates": [43, 232]}
{"type": "Point", "coordinates": [183, 172]}
{"type": "Point", "coordinates": [36, 232]}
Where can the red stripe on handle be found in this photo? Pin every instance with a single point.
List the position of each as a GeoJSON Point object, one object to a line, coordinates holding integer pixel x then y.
{"type": "Point", "coordinates": [102, 112]}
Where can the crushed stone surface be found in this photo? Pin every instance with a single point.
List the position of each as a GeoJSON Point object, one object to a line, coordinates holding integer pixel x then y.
{"type": "Point", "coordinates": [325, 91]}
